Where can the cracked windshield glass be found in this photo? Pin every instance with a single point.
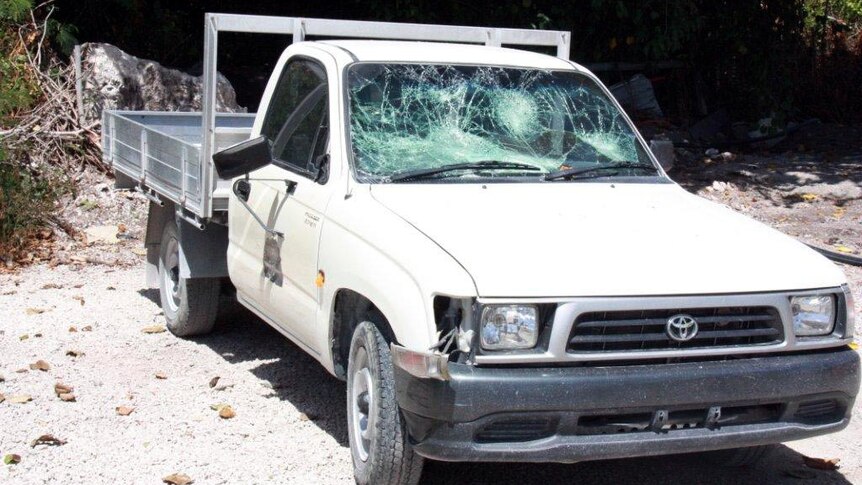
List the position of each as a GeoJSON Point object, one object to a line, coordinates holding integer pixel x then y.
{"type": "Point", "coordinates": [414, 117]}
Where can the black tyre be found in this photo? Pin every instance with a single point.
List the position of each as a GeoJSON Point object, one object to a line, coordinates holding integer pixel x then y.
{"type": "Point", "coordinates": [378, 439]}
{"type": "Point", "coordinates": [738, 457]}
{"type": "Point", "coordinates": [190, 304]}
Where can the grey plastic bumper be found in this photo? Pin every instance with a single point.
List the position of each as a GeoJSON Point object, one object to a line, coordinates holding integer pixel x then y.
{"type": "Point", "coordinates": [445, 418]}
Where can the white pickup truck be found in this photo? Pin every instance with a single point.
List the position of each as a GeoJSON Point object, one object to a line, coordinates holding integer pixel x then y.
{"type": "Point", "coordinates": [479, 241]}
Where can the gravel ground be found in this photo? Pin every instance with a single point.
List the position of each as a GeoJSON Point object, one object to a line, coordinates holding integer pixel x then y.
{"type": "Point", "coordinates": [289, 423]}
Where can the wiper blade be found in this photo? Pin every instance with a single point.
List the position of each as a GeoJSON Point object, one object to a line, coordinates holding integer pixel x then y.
{"type": "Point", "coordinates": [482, 165]}
{"type": "Point", "coordinates": [574, 172]}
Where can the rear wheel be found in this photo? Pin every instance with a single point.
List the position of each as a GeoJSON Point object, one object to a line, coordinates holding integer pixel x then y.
{"type": "Point", "coordinates": [738, 457]}
{"type": "Point", "coordinates": [378, 438]}
{"type": "Point", "coordinates": [190, 304]}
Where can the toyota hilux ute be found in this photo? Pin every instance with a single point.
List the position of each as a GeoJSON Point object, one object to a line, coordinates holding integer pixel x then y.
{"type": "Point", "coordinates": [479, 241]}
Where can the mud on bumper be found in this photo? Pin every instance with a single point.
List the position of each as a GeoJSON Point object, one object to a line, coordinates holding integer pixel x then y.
{"type": "Point", "coordinates": [570, 414]}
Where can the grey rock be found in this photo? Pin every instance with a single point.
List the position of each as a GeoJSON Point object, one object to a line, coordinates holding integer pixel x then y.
{"type": "Point", "coordinates": [113, 79]}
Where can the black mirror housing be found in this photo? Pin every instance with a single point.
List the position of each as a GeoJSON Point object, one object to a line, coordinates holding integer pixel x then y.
{"type": "Point", "coordinates": [243, 158]}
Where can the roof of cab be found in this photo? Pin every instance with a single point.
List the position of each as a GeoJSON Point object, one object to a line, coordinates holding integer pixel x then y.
{"type": "Point", "coordinates": [437, 52]}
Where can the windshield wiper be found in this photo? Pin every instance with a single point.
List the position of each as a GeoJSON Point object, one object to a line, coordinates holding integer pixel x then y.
{"type": "Point", "coordinates": [575, 172]}
{"type": "Point", "coordinates": [482, 165]}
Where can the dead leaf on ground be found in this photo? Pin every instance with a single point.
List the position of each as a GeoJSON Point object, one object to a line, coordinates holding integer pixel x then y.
{"type": "Point", "coordinates": [23, 337]}
{"type": "Point", "coordinates": [74, 353]}
{"type": "Point", "coordinates": [35, 311]}
{"type": "Point", "coordinates": [2, 398]}
{"type": "Point", "coordinates": [821, 463]}
{"type": "Point", "coordinates": [73, 329]}
{"type": "Point", "coordinates": [22, 370]}
{"type": "Point", "coordinates": [47, 439]}
{"type": "Point", "coordinates": [68, 397]}
{"type": "Point", "coordinates": [226, 412]}
{"type": "Point", "coordinates": [178, 479]}
{"type": "Point", "coordinates": [37, 335]}
{"type": "Point", "coordinates": [40, 365]}
{"type": "Point", "coordinates": [20, 398]}
{"type": "Point", "coordinates": [809, 197]}
{"type": "Point", "coordinates": [88, 328]}
{"type": "Point", "coordinates": [140, 251]}
{"type": "Point", "coordinates": [214, 381]}
{"type": "Point", "coordinates": [11, 459]}
{"type": "Point", "coordinates": [843, 249]}
{"type": "Point", "coordinates": [79, 298]}
{"type": "Point", "coordinates": [60, 388]}
{"type": "Point", "coordinates": [161, 375]}
{"type": "Point", "coordinates": [125, 410]}
{"type": "Point", "coordinates": [154, 329]}
{"type": "Point", "coordinates": [52, 286]}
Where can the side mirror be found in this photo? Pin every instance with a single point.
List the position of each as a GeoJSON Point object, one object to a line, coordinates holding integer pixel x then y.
{"type": "Point", "coordinates": [243, 158]}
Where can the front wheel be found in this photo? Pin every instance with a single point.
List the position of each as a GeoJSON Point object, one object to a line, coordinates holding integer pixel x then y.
{"type": "Point", "coordinates": [190, 304]}
{"type": "Point", "coordinates": [378, 438]}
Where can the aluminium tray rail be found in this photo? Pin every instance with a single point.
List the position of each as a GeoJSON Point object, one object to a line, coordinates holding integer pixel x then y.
{"type": "Point", "coordinates": [170, 154]}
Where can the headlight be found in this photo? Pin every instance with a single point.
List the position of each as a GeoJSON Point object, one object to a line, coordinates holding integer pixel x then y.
{"type": "Point", "coordinates": [813, 314]}
{"type": "Point", "coordinates": [509, 327]}
{"type": "Point", "coordinates": [851, 311]}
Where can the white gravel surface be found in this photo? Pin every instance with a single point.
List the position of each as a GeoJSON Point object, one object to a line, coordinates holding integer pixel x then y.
{"type": "Point", "coordinates": [289, 424]}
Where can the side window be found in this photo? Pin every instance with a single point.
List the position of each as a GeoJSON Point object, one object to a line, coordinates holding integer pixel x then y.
{"type": "Point", "coordinates": [296, 122]}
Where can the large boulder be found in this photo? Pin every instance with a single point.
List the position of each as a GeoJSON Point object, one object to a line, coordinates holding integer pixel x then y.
{"type": "Point", "coordinates": [113, 79]}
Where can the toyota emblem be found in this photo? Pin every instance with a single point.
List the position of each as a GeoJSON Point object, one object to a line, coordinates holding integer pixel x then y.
{"type": "Point", "coordinates": [681, 328]}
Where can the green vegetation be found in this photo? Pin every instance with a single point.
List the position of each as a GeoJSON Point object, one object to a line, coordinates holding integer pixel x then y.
{"type": "Point", "coordinates": [29, 187]}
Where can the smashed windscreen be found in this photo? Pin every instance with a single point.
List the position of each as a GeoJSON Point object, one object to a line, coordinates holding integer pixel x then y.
{"type": "Point", "coordinates": [407, 117]}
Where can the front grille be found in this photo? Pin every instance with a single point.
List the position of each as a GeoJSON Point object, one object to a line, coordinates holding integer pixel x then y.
{"type": "Point", "coordinates": [617, 331]}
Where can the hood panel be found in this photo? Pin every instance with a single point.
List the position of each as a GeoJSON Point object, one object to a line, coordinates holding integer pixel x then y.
{"type": "Point", "coordinates": [598, 239]}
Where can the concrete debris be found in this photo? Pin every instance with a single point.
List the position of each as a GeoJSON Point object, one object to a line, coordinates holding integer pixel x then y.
{"type": "Point", "coordinates": [113, 79]}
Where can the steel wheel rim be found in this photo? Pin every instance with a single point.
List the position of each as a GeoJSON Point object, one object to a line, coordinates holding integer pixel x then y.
{"type": "Point", "coordinates": [171, 275]}
{"type": "Point", "coordinates": [362, 402]}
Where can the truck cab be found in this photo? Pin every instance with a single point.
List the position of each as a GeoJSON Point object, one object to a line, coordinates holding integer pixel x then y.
{"type": "Point", "coordinates": [479, 241]}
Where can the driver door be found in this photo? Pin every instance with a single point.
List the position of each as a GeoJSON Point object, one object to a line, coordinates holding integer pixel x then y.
{"type": "Point", "coordinates": [290, 196]}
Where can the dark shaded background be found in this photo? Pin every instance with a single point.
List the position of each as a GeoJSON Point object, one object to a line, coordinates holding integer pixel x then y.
{"type": "Point", "coordinates": [782, 58]}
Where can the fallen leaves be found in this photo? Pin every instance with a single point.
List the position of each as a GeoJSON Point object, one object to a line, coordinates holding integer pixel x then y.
{"type": "Point", "coordinates": [844, 249]}
{"type": "Point", "coordinates": [20, 398]}
{"type": "Point", "coordinates": [73, 329]}
{"type": "Point", "coordinates": [74, 353]}
{"type": "Point", "coordinates": [178, 479]}
{"type": "Point", "coordinates": [64, 392]}
{"type": "Point", "coordinates": [23, 337]}
{"type": "Point", "coordinates": [125, 410]}
{"type": "Point", "coordinates": [88, 328]}
{"type": "Point", "coordinates": [40, 365]}
{"type": "Point", "coordinates": [79, 298]}
{"type": "Point", "coordinates": [809, 197]}
{"type": "Point", "coordinates": [2, 398]}
{"type": "Point", "coordinates": [153, 329]}
{"type": "Point", "coordinates": [35, 311]}
{"type": "Point", "coordinates": [821, 463]}
{"type": "Point", "coordinates": [11, 459]}
{"type": "Point", "coordinates": [224, 410]}
{"type": "Point", "coordinates": [161, 375]}
{"type": "Point", "coordinates": [214, 381]}
{"type": "Point", "coordinates": [47, 439]}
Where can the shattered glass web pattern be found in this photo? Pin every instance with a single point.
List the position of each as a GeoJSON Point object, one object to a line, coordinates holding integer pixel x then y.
{"type": "Point", "coordinates": [416, 116]}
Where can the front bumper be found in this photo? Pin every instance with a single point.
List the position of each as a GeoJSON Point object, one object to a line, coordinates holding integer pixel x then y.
{"type": "Point", "coordinates": [570, 414]}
